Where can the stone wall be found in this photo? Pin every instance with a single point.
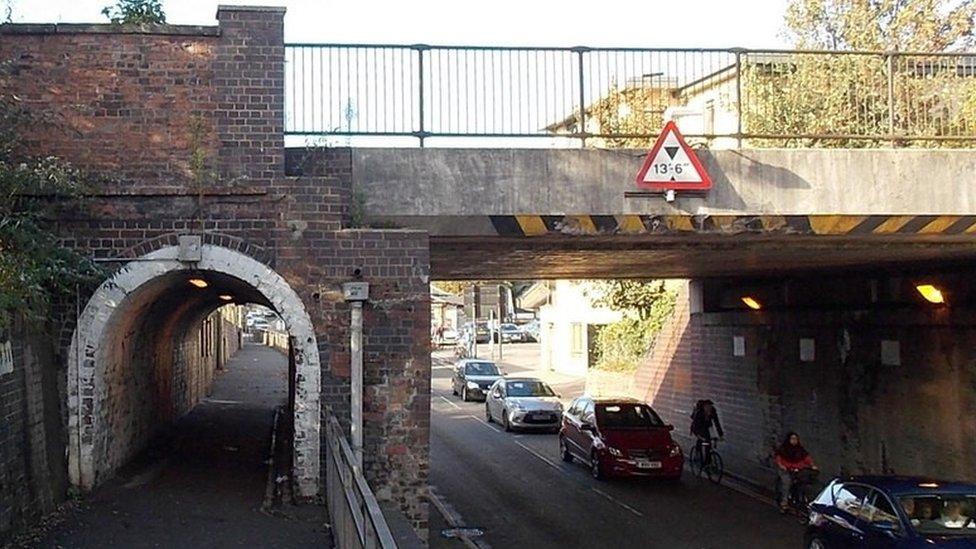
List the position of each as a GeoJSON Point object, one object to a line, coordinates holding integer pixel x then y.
{"type": "Point", "coordinates": [857, 408]}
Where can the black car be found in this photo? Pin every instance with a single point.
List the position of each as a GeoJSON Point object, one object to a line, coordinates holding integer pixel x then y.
{"type": "Point", "coordinates": [473, 377]}
{"type": "Point", "coordinates": [881, 512]}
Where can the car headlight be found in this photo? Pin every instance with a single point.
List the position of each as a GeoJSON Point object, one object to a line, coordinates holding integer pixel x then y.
{"type": "Point", "coordinates": [675, 451]}
{"type": "Point", "coordinates": [472, 385]}
{"type": "Point", "coordinates": [614, 452]}
{"type": "Point", "coordinates": [516, 406]}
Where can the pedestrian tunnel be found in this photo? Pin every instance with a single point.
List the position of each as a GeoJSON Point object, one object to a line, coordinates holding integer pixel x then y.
{"type": "Point", "coordinates": [147, 347]}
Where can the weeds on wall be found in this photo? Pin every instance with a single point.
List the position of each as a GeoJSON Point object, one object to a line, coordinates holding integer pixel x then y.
{"type": "Point", "coordinates": [35, 269]}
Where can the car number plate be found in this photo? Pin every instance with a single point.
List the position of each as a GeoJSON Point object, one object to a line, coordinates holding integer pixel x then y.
{"type": "Point", "coordinates": [644, 464]}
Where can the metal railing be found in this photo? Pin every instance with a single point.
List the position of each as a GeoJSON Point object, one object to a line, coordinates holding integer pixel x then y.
{"type": "Point", "coordinates": [357, 521]}
{"type": "Point", "coordinates": [621, 96]}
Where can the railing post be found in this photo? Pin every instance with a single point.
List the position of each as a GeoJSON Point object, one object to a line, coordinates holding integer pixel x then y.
{"type": "Point", "coordinates": [891, 96]}
{"type": "Point", "coordinates": [738, 98]}
{"type": "Point", "coordinates": [580, 50]}
{"type": "Point", "coordinates": [421, 131]}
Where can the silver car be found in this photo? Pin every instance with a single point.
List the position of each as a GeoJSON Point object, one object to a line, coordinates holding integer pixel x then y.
{"type": "Point", "coordinates": [523, 403]}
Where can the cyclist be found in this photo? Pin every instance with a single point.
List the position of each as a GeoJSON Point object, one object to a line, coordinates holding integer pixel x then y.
{"type": "Point", "coordinates": [792, 460]}
{"type": "Point", "coordinates": [702, 418]}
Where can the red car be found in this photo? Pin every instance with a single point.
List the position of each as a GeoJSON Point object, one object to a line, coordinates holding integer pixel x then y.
{"type": "Point", "coordinates": [619, 437]}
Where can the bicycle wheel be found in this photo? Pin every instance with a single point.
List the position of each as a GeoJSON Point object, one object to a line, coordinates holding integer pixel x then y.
{"type": "Point", "coordinates": [695, 460]}
{"type": "Point", "coordinates": [715, 470]}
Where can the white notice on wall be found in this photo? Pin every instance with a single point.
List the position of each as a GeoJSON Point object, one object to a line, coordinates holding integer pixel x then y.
{"type": "Point", "coordinates": [808, 349]}
{"type": "Point", "coordinates": [6, 358]}
{"type": "Point", "coordinates": [890, 353]}
{"type": "Point", "coordinates": [738, 346]}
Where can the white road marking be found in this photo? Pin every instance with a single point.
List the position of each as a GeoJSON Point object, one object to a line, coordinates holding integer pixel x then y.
{"type": "Point", "coordinates": [618, 502]}
{"type": "Point", "coordinates": [540, 456]}
{"type": "Point", "coordinates": [449, 401]}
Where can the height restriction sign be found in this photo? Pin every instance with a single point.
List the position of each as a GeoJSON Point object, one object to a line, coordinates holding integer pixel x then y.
{"type": "Point", "coordinates": [672, 165]}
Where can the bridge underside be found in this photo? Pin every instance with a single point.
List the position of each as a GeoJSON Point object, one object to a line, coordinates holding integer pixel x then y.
{"type": "Point", "coordinates": [686, 256]}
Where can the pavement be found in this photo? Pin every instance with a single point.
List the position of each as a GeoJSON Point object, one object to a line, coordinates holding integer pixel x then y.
{"type": "Point", "coordinates": [203, 485]}
{"type": "Point", "coordinates": [517, 491]}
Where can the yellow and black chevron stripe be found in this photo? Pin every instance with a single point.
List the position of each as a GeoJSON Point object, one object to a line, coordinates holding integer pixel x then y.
{"type": "Point", "coordinates": [851, 225]}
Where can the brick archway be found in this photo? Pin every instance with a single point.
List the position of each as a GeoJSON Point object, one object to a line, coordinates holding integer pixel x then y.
{"type": "Point", "coordinates": [88, 437]}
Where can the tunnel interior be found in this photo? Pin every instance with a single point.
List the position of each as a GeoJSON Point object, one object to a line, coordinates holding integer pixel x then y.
{"type": "Point", "coordinates": [163, 348]}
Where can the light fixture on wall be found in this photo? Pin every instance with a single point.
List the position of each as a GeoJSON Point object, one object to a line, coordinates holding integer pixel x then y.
{"type": "Point", "coordinates": [198, 282]}
{"type": "Point", "coordinates": [226, 297]}
{"type": "Point", "coordinates": [930, 293]}
{"type": "Point", "coordinates": [751, 302]}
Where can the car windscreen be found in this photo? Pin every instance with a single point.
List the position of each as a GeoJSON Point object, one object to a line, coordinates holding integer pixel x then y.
{"type": "Point", "coordinates": [481, 369]}
{"type": "Point", "coordinates": [528, 389]}
{"type": "Point", "coordinates": [627, 416]}
{"type": "Point", "coordinates": [941, 514]}
{"type": "Point", "coordinates": [509, 328]}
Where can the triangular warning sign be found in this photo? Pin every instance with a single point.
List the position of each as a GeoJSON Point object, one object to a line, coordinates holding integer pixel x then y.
{"type": "Point", "coordinates": [672, 164]}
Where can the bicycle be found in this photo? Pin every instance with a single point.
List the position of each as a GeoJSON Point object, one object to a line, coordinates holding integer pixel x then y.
{"type": "Point", "coordinates": [799, 499]}
{"type": "Point", "coordinates": [705, 459]}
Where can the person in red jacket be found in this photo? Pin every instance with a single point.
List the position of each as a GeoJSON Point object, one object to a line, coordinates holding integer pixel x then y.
{"type": "Point", "coordinates": [791, 458]}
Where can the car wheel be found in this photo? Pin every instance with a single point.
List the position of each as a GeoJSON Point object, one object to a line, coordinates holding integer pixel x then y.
{"type": "Point", "coordinates": [464, 394]}
{"type": "Point", "coordinates": [564, 451]}
{"type": "Point", "coordinates": [505, 423]}
{"type": "Point", "coordinates": [453, 390]}
{"type": "Point", "coordinates": [595, 469]}
{"type": "Point", "coordinates": [488, 417]}
{"type": "Point", "coordinates": [816, 543]}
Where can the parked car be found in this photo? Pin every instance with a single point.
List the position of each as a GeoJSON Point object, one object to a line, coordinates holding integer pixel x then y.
{"type": "Point", "coordinates": [480, 329]}
{"type": "Point", "coordinates": [530, 331]}
{"type": "Point", "coordinates": [473, 377]}
{"type": "Point", "coordinates": [619, 437]}
{"type": "Point", "coordinates": [510, 333]}
{"type": "Point", "coordinates": [892, 511]}
{"type": "Point", "coordinates": [523, 403]}
{"type": "Point", "coordinates": [448, 336]}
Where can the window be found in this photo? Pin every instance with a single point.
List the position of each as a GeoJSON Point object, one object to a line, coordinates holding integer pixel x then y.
{"type": "Point", "coordinates": [849, 497]}
{"type": "Point", "coordinates": [588, 413]}
{"type": "Point", "coordinates": [481, 369]}
{"type": "Point", "coordinates": [878, 510]}
{"type": "Point", "coordinates": [575, 407]}
{"type": "Point", "coordinates": [627, 416]}
{"type": "Point", "coordinates": [529, 389]}
{"type": "Point", "coordinates": [576, 345]}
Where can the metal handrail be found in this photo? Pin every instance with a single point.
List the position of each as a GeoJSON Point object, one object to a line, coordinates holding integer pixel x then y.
{"type": "Point", "coordinates": [357, 520]}
{"type": "Point", "coordinates": [619, 97]}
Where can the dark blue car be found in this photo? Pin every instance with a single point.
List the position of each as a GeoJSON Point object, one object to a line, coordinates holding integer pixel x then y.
{"type": "Point", "coordinates": [881, 512]}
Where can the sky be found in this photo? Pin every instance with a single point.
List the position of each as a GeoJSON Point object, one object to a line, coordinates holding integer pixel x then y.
{"type": "Point", "coordinates": [624, 23]}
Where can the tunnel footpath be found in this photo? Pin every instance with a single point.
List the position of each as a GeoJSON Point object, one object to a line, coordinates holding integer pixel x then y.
{"type": "Point", "coordinates": [205, 484]}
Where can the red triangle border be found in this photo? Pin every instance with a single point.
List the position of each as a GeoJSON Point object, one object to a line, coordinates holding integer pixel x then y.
{"type": "Point", "coordinates": [705, 182]}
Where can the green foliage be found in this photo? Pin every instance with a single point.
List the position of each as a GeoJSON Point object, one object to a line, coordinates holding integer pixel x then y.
{"type": "Point", "coordinates": [881, 25]}
{"type": "Point", "coordinates": [34, 268]}
{"type": "Point", "coordinates": [646, 305]}
{"type": "Point", "coordinates": [848, 95]}
{"type": "Point", "coordinates": [135, 11]}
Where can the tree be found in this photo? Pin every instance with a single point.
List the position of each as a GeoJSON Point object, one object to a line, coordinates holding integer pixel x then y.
{"type": "Point", "coordinates": [646, 305]}
{"type": "Point", "coordinates": [135, 11]}
{"type": "Point", "coordinates": [881, 25]}
{"type": "Point", "coordinates": [891, 97]}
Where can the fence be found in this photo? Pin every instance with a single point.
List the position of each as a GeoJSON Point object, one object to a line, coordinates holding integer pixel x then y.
{"type": "Point", "coordinates": [619, 97]}
{"type": "Point", "coordinates": [357, 521]}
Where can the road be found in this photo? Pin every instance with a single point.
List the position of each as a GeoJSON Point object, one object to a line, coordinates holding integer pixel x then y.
{"type": "Point", "coordinates": [204, 486]}
{"type": "Point", "coordinates": [516, 488]}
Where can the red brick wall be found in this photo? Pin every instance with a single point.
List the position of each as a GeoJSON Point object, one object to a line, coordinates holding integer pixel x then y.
{"type": "Point", "coordinates": [133, 120]}
{"type": "Point", "coordinates": [135, 110]}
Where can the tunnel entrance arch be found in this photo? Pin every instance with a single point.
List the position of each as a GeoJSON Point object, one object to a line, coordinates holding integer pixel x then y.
{"type": "Point", "coordinates": [128, 298]}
